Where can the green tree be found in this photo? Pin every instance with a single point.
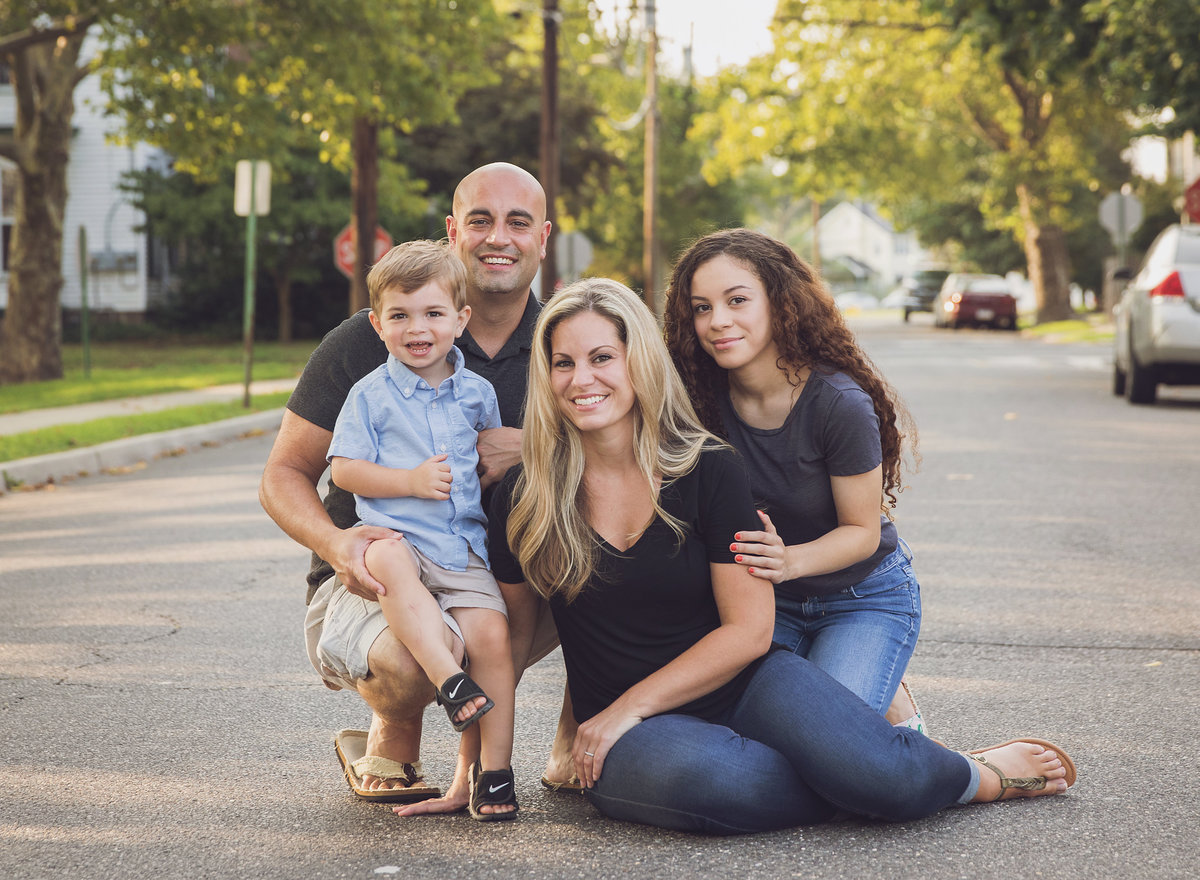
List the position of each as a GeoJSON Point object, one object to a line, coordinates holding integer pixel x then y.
{"type": "Point", "coordinates": [607, 196]}
{"type": "Point", "coordinates": [1147, 51]}
{"type": "Point", "coordinates": [221, 81]}
{"type": "Point", "coordinates": [902, 101]}
{"type": "Point", "coordinates": [41, 43]}
{"type": "Point", "coordinates": [193, 218]}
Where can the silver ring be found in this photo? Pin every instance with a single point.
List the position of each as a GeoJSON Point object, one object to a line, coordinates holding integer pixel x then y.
{"type": "Point", "coordinates": [590, 754]}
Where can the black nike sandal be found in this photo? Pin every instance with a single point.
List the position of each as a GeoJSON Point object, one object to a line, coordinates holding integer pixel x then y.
{"type": "Point", "coordinates": [492, 788]}
{"type": "Point", "coordinates": [456, 692]}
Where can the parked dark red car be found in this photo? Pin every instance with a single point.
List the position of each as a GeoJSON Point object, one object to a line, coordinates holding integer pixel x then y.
{"type": "Point", "coordinates": [972, 300]}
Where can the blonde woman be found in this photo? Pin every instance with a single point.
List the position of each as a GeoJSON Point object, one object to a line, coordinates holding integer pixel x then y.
{"type": "Point", "coordinates": [620, 518]}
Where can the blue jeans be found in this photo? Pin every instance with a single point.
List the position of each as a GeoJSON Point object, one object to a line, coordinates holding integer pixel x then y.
{"type": "Point", "coordinates": [863, 636]}
{"type": "Point", "coordinates": [797, 748]}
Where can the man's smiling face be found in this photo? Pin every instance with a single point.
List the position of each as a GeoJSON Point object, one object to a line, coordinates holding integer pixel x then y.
{"type": "Point", "coordinates": [499, 230]}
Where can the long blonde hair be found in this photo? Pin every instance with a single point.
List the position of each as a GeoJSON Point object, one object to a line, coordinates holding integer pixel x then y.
{"type": "Point", "coordinates": [547, 528]}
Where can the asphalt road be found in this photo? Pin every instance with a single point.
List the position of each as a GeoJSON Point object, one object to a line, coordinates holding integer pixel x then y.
{"type": "Point", "coordinates": [159, 718]}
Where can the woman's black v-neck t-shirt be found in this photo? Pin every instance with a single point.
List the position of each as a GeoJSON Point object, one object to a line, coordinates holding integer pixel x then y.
{"type": "Point", "coordinates": [648, 605]}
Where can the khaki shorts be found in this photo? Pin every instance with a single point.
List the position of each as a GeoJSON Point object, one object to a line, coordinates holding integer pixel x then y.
{"type": "Point", "coordinates": [340, 627]}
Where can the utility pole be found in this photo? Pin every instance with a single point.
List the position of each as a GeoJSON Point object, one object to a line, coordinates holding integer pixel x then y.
{"type": "Point", "coordinates": [650, 170]}
{"type": "Point", "coordinates": [549, 137]}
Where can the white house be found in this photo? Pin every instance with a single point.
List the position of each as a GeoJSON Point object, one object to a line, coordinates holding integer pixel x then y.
{"type": "Point", "coordinates": [856, 236]}
{"type": "Point", "coordinates": [117, 254]}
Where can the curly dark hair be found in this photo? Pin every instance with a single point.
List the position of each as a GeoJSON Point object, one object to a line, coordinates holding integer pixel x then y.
{"type": "Point", "coordinates": [808, 330]}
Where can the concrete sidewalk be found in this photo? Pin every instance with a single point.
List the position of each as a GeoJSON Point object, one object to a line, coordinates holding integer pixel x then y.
{"type": "Point", "coordinates": [130, 451]}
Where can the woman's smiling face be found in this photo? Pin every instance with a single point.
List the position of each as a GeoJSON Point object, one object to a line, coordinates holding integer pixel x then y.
{"type": "Point", "coordinates": [589, 374]}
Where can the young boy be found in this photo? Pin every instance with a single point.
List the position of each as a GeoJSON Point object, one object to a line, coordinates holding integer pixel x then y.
{"type": "Point", "coordinates": [404, 444]}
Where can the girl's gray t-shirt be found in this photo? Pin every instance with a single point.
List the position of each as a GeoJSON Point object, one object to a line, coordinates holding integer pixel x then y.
{"type": "Point", "coordinates": [832, 431]}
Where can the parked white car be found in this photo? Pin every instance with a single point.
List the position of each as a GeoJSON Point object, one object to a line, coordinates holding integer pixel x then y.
{"type": "Point", "coordinates": [1157, 338]}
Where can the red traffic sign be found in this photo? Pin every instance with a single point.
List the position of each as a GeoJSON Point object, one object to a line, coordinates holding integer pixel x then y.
{"type": "Point", "coordinates": [345, 242]}
{"type": "Point", "coordinates": [1191, 200]}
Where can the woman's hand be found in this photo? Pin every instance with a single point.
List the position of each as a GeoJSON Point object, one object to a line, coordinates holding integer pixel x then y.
{"type": "Point", "coordinates": [763, 553]}
{"type": "Point", "coordinates": [594, 739]}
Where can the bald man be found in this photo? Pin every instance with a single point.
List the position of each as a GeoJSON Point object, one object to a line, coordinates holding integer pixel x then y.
{"type": "Point", "coordinates": [499, 229]}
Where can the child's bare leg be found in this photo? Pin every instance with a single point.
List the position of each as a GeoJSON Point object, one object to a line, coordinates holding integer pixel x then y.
{"type": "Point", "coordinates": [413, 615]}
{"type": "Point", "coordinates": [486, 635]}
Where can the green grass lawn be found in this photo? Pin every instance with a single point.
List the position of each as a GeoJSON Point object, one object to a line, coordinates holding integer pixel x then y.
{"type": "Point", "coordinates": [138, 368]}
{"type": "Point", "coordinates": [1086, 328]}
{"type": "Point", "coordinates": [61, 438]}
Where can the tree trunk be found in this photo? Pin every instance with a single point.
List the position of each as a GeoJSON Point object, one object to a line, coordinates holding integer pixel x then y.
{"type": "Point", "coordinates": [43, 77]}
{"type": "Point", "coordinates": [364, 191]}
{"type": "Point", "coordinates": [1048, 261]}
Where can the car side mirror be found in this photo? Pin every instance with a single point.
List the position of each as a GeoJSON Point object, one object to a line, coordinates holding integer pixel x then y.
{"type": "Point", "coordinates": [1122, 274]}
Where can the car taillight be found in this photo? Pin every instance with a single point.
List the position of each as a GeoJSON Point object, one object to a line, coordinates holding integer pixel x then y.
{"type": "Point", "coordinates": [1169, 286]}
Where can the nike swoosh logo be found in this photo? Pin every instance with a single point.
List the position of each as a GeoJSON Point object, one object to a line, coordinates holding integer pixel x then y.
{"type": "Point", "coordinates": [451, 694]}
{"type": "Point", "coordinates": [492, 789]}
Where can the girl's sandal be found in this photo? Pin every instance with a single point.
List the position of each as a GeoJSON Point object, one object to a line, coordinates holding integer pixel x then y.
{"type": "Point", "coordinates": [457, 691]}
{"type": "Point", "coordinates": [492, 788]}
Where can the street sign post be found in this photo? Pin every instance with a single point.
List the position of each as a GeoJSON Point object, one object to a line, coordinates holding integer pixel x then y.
{"type": "Point", "coordinates": [1120, 214]}
{"type": "Point", "coordinates": [251, 199]}
{"type": "Point", "coordinates": [344, 244]}
{"type": "Point", "coordinates": [572, 256]}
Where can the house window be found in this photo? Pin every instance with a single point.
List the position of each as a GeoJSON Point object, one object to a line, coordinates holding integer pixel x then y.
{"type": "Point", "coordinates": [8, 211]}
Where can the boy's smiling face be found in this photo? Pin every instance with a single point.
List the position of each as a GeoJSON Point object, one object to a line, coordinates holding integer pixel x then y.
{"type": "Point", "coordinates": [419, 327]}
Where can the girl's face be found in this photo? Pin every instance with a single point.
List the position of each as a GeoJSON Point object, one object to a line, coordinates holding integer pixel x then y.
{"type": "Point", "coordinates": [589, 374]}
{"type": "Point", "coordinates": [731, 314]}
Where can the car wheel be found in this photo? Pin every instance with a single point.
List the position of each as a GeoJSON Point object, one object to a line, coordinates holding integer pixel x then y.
{"type": "Point", "coordinates": [1118, 385]}
{"type": "Point", "coordinates": [1141, 385]}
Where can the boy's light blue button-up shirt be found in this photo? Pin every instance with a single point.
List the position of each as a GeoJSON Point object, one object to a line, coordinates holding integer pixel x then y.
{"type": "Point", "coordinates": [394, 418]}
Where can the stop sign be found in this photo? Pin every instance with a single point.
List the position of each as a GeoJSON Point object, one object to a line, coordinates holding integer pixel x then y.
{"type": "Point", "coordinates": [1191, 200]}
{"type": "Point", "coordinates": [345, 242]}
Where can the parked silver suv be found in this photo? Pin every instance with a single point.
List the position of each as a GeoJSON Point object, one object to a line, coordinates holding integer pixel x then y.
{"type": "Point", "coordinates": [1157, 339]}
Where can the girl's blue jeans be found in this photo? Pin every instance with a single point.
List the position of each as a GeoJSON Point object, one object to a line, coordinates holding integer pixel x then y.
{"type": "Point", "coordinates": [797, 748]}
{"type": "Point", "coordinates": [863, 636]}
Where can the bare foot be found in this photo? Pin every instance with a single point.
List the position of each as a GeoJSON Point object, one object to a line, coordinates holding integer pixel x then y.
{"type": "Point", "coordinates": [1032, 769]}
{"type": "Point", "coordinates": [470, 709]}
{"type": "Point", "coordinates": [560, 769]}
{"type": "Point", "coordinates": [389, 740]}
